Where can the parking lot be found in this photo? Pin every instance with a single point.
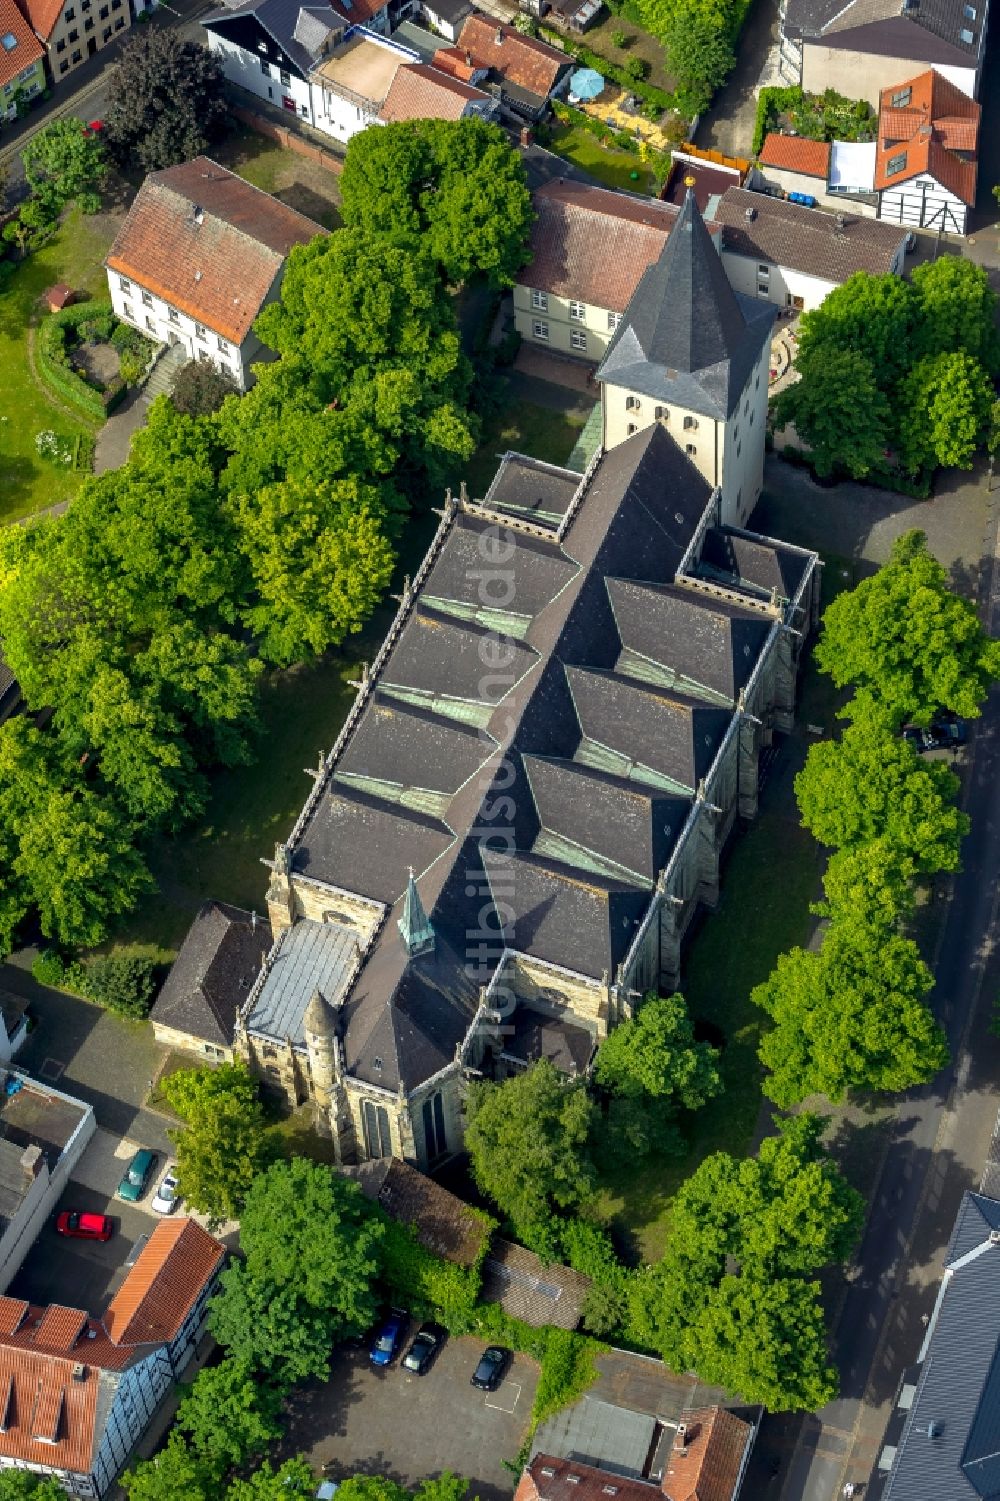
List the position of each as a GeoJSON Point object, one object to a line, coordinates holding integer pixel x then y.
{"type": "Point", "coordinates": [407, 1427]}
{"type": "Point", "coordinates": [87, 1273]}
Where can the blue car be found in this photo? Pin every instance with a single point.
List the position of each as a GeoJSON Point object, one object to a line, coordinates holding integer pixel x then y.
{"type": "Point", "coordinates": [385, 1346]}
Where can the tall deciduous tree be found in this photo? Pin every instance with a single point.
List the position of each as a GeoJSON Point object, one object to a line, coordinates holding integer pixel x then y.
{"type": "Point", "coordinates": [227, 1415]}
{"type": "Point", "coordinates": [311, 1256]}
{"type": "Point", "coordinates": [222, 1147]}
{"type": "Point", "coordinates": [292, 1481]}
{"type": "Point", "coordinates": [733, 1297]}
{"type": "Point", "coordinates": [22, 1485]}
{"type": "Point", "coordinates": [872, 880]}
{"type": "Point", "coordinates": [174, 1474]}
{"type": "Point", "coordinates": [456, 188]}
{"type": "Point", "coordinates": [872, 316]}
{"type": "Point", "coordinates": [945, 404]}
{"type": "Point", "coordinates": [700, 56]}
{"type": "Point", "coordinates": [839, 410]}
{"type": "Point", "coordinates": [850, 1016]}
{"type": "Point", "coordinates": [872, 785]}
{"type": "Point", "coordinates": [957, 310]}
{"type": "Point", "coordinates": [64, 161]}
{"type": "Point", "coordinates": [167, 103]}
{"type": "Point", "coordinates": [527, 1141]}
{"type": "Point", "coordinates": [906, 638]}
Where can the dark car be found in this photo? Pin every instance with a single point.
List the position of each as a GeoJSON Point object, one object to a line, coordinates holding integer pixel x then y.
{"type": "Point", "coordinates": [137, 1176]}
{"type": "Point", "coordinates": [426, 1343]}
{"type": "Point", "coordinates": [491, 1369]}
{"type": "Point", "coordinates": [940, 734]}
{"type": "Point", "coordinates": [80, 1225]}
{"type": "Point", "coordinates": [385, 1346]}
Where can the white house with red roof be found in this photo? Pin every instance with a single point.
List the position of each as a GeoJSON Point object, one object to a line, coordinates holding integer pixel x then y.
{"type": "Point", "coordinates": [199, 255]}
{"type": "Point", "coordinates": [926, 160]}
{"type": "Point", "coordinates": [78, 1392]}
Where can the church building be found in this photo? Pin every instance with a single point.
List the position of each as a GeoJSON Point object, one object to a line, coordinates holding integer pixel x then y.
{"type": "Point", "coordinates": [530, 796]}
{"type": "Point", "coordinates": [693, 354]}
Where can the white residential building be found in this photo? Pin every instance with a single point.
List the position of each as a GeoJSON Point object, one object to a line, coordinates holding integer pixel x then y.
{"type": "Point", "coordinates": [199, 255]}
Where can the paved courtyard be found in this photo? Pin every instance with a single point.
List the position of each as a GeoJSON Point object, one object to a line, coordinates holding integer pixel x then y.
{"type": "Point", "coordinates": [99, 1058]}
{"type": "Point", "coordinates": [410, 1427]}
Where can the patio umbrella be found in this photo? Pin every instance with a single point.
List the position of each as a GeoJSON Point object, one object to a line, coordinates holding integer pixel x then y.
{"type": "Point", "coordinates": [585, 83]}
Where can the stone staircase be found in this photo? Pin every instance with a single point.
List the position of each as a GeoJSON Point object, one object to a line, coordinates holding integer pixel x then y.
{"type": "Point", "coordinates": [160, 381]}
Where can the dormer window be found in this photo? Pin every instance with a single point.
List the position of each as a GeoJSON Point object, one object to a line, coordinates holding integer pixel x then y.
{"type": "Point", "coordinates": [901, 98]}
{"type": "Point", "coordinates": [261, 46]}
{"type": "Point", "coordinates": [965, 35]}
{"type": "Point", "coordinates": [895, 164]}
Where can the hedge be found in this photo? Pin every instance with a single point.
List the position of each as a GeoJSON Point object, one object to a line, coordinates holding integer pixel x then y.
{"type": "Point", "coordinates": [429, 1285]}
{"type": "Point", "coordinates": [771, 102]}
{"type": "Point", "coordinates": [54, 365]}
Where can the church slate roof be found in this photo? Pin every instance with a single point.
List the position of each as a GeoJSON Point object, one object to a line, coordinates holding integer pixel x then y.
{"type": "Point", "coordinates": [756, 563]}
{"type": "Point", "coordinates": [687, 337]}
{"type": "Point", "coordinates": [211, 977]}
{"type": "Point", "coordinates": [958, 1391]}
{"type": "Point", "coordinates": [531, 488]}
{"type": "Point", "coordinates": [575, 776]}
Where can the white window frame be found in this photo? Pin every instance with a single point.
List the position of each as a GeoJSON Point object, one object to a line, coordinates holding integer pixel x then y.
{"type": "Point", "coordinates": [540, 330]}
{"type": "Point", "coordinates": [539, 302]}
{"type": "Point", "coordinates": [578, 311]}
{"type": "Point", "coordinates": [577, 338]}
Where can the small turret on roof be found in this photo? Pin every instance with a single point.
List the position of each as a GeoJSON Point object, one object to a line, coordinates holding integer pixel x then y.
{"type": "Point", "coordinates": [414, 924]}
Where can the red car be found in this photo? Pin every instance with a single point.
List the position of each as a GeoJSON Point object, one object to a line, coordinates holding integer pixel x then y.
{"type": "Point", "coordinates": [84, 1226]}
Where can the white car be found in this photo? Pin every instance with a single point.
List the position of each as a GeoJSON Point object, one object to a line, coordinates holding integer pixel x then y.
{"type": "Point", "coordinates": [166, 1196]}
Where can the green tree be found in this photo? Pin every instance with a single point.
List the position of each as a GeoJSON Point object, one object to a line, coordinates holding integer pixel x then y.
{"type": "Point", "coordinates": [908, 640]}
{"type": "Point", "coordinates": [874, 317]}
{"type": "Point", "coordinates": [293, 1479]}
{"type": "Point", "coordinates": [320, 559]}
{"type": "Point", "coordinates": [699, 54]}
{"type": "Point", "coordinates": [957, 310]}
{"type": "Point", "coordinates": [200, 387]}
{"type": "Point", "coordinates": [872, 784]}
{"type": "Point", "coordinates": [228, 1415]}
{"type": "Point", "coordinates": [839, 410]}
{"type": "Point", "coordinates": [19, 1485]}
{"type": "Point", "coordinates": [174, 1474]}
{"type": "Point", "coordinates": [526, 1139]}
{"type": "Point", "coordinates": [456, 188]}
{"type": "Point", "coordinates": [223, 1147]}
{"type": "Point", "coordinates": [733, 1297]}
{"type": "Point", "coordinates": [167, 103]}
{"type": "Point", "coordinates": [871, 881]}
{"type": "Point", "coordinates": [851, 1016]}
{"type": "Point", "coordinates": [64, 161]}
{"type": "Point", "coordinates": [124, 983]}
{"type": "Point", "coordinates": [654, 1053]}
{"type": "Point", "coordinates": [310, 1244]}
{"type": "Point", "coordinates": [945, 404]}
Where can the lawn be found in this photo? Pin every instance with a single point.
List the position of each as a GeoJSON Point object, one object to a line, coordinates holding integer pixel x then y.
{"type": "Point", "coordinates": [74, 255]}
{"type": "Point", "coordinates": [612, 168]}
{"type": "Point", "coordinates": [525, 426]}
{"type": "Point", "coordinates": [250, 809]}
{"type": "Point", "coordinates": [302, 184]}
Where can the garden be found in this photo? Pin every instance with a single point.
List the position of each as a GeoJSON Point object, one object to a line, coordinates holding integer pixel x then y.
{"type": "Point", "coordinates": [818, 117]}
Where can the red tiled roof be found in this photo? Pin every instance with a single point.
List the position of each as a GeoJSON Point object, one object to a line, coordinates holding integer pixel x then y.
{"type": "Point", "coordinates": [159, 1292]}
{"type": "Point", "coordinates": [936, 122]}
{"type": "Point", "coordinates": [49, 1412]}
{"type": "Point", "coordinates": [60, 1327]}
{"type": "Point", "coordinates": [455, 60]}
{"type": "Point", "coordinates": [27, 49]}
{"type": "Point", "coordinates": [12, 1312]}
{"type": "Point", "coordinates": [520, 59]}
{"type": "Point", "coordinates": [549, 1479]}
{"type": "Point", "coordinates": [209, 243]}
{"type": "Point", "coordinates": [796, 154]}
{"type": "Point", "coordinates": [593, 244]}
{"type": "Point", "coordinates": [705, 1461]}
{"type": "Point", "coordinates": [420, 92]}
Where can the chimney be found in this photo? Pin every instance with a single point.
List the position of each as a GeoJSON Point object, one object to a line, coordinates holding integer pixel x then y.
{"type": "Point", "coordinates": [468, 58]}
{"type": "Point", "coordinates": [995, 1237]}
{"type": "Point", "coordinates": [840, 222]}
{"type": "Point", "coordinates": [751, 214]}
{"type": "Point", "coordinates": [198, 214]}
{"type": "Point", "coordinates": [253, 921]}
{"type": "Point", "coordinates": [499, 36]}
{"type": "Point", "coordinates": [32, 1161]}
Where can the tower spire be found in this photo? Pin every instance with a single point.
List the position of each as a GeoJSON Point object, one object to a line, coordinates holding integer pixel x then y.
{"type": "Point", "coordinates": [414, 924]}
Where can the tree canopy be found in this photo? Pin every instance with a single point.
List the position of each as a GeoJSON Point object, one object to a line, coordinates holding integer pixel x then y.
{"type": "Point", "coordinates": [873, 785]}
{"type": "Point", "coordinates": [200, 387]}
{"type": "Point", "coordinates": [167, 104]}
{"type": "Point", "coordinates": [227, 1415]}
{"type": "Point", "coordinates": [527, 1139]}
{"type": "Point", "coordinates": [310, 1245]}
{"type": "Point", "coordinates": [20, 1485]}
{"type": "Point", "coordinates": [908, 640]}
{"type": "Point", "coordinates": [851, 1015]}
{"type": "Point", "coordinates": [64, 161]}
{"type": "Point", "coordinates": [455, 188]}
{"type": "Point", "coordinates": [896, 372]}
{"type": "Point", "coordinates": [733, 1297]}
{"type": "Point", "coordinates": [222, 1146]}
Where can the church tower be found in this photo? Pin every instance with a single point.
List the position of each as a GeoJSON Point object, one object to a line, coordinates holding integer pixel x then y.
{"type": "Point", "coordinates": [319, 1026]}
{"type": "Point", "coordinates": [694, 355]}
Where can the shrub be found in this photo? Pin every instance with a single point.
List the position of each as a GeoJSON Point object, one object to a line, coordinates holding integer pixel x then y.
{"type": "Point", "coordinates": [50, 446]}
{"type": "Point", "coordinates": [123, 983]}
{"type": "Point", "coordinates": [619, 39]}
{"type": "Point", "coordinates": [50, 968]}
{"type": "Point", "coordinates": [637, 68]}
{"type": "Point", "coordinates": [201, 388]}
